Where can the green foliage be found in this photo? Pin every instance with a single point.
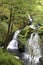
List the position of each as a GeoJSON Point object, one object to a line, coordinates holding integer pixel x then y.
{"type": "Point", "coordinates": [8, 59]}
{"type": "Point", "coordinates": [3, 30]}
{"type": "Point", "coordinates": [41, 33]}
{"type": "Point", "coordinates": [20, 11]}
{"type": "Point", "coordinates": [26, 32]}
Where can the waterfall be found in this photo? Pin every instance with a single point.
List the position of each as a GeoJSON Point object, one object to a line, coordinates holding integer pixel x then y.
{"type": "Point", "coordinates": [16, 34]}
{"type": "Point", "coordinates": [13, 44]}
{"type": "Point", "coordinates": [33, 48]}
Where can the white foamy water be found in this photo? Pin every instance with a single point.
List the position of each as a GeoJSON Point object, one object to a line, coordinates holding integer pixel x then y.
{"type": "Point", "coordinates": [16, 34]}
{"type": "Point", "coordinates": [33, 48]}
{"type": "Point", "coordinates": [30, 18]}
{"type": "Point", "coordinates": [13, 44]}
{"type": "Point", "coordinates": [32, 51]}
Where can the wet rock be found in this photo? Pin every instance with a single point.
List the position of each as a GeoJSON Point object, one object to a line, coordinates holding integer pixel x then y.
{"type": "Point", "coordinates": [41, 60]}
{"type": "Point", "coordinates": [16, 57]}
{"type": "Point", "coordinates": [21, 47]}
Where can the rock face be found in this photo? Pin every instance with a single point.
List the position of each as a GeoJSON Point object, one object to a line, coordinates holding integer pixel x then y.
{"type": "Point", "coordinates": [41, 60]}
{"type": "Point", "coordinates": [21, 47]}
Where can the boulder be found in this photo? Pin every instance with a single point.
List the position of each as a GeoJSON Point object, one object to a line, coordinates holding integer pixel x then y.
{"type": "Point", "coordinates": [41, 60]}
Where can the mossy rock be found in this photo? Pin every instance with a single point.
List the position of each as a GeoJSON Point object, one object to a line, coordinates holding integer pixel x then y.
{"type": "Point", "coordinates": [40, 32]}
{"type": "Point", "coordinates": [25, 34]}
{"type": "Point", "coordinates": [21, 47]}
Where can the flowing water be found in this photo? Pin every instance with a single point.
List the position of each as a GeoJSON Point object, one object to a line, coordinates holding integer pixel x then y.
{"type": "Point", "coordinates": [13, 44]}
{"type": "Point", "coordinates": [33, 50]}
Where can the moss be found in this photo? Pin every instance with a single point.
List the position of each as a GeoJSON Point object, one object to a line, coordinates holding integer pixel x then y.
{"type": "Point", "coordinates": [41, 33]}
{"type": "Point", "coordinates": [25, 34]}
{"type": "Point", "coordinates": [8, 59]}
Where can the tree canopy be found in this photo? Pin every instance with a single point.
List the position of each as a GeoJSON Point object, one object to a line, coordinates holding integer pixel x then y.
{"type": "Point", "coordinates": [18, 17]}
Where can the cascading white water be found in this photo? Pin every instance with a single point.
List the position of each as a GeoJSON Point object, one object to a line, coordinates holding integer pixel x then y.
{"type": "Point", "coordinates": [33, 48]}
{"type": "Point", "coordinates": [32, 51]}
{"type": "Point", "coordinates": [16, 34]}
{"type": "Point", "coordinates": [13, 44]}
{"type": "Point", "coordinates": [30, 18]}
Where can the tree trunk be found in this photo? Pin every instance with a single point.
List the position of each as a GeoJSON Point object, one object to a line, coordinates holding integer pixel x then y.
{"type": "Point", "coordinates": [9, 28]}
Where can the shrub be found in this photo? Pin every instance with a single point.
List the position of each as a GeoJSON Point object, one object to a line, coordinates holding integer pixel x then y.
{"type": "Point", "coordinates": [8, 59]}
